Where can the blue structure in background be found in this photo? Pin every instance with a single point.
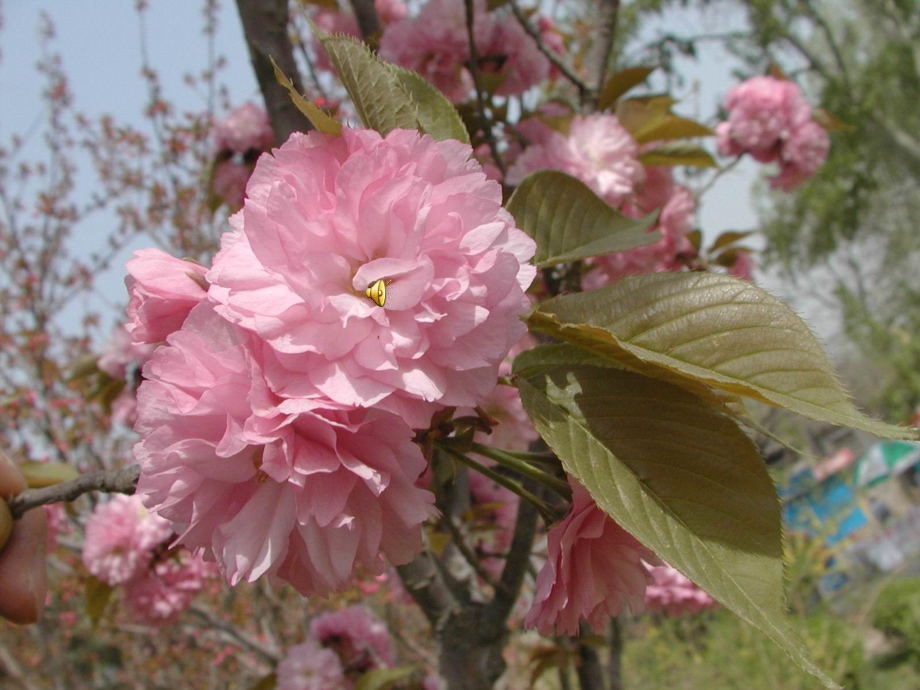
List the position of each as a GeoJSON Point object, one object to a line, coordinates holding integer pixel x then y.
{"type": "Point", "coordinates": [825, 508]}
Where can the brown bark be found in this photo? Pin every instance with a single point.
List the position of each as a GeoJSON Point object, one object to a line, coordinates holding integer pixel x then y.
{"type": "Point", "coordinates": [368, 20]}
{"type": "Point", "coordinates": [265, 25]}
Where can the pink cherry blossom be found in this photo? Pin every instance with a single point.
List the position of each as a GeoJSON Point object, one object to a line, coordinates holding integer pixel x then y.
{"type": "Point", "coordinates": [762, 113]}
{"type": "Point", "coordinates": [159, 594]}
{"type": "Point", "coordinates": [335, 21]}
{"type": "Point", "coordinates": [56, 516]}
{"type": "Point", "coordinates": [505, 49]}
{"type": "Point", "coordinates": [675, 594]}
{"type": "Point", "coordinates": [435, 45]}
{"type": "Point", "coordinates": [229, 182]}
{"type": "Point", "coordinates": [358, 637]}
{"type": "Point", "coordinates": [390, 11]}
{"type": "Point", "coordinates": [310, 667]}
{"type": "Point", "coordinates": [120, 537]}
{"type": "Point", "coordinates": [744, 265]}
{"type": "Point", "coordinates": [597, 150]}
{"type": "Point", "coordinates": [594, 568]}
{"type": "Point", "coordinates": [298, 489]}
{"type": "Point", "coordinates": [433, 682]}
{"type": "Point", "coordinates": [803, 153]}
{"type": "Point", "coordinates": [162, 291]}
{"type": "Point", "coordinates": [245, 128]}
{"type": "Point", "coordinates": [327, 217]}
{"type": "Point", "coordinates": [770, 119]}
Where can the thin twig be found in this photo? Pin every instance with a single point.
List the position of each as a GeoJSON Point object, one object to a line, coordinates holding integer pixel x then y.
{"type": "Point", "coordinates": [467, 553]}
{"type": "Point", "coordinates": [557, 62]}
{"type": "Point", "coordinates": [121, 481]}
{"type": "Point", "coordinates": [480, 99]}
{"type": "Point", "coordinates": [241, 638]}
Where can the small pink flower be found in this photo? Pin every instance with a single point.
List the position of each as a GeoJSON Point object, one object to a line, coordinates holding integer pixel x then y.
{"type": "Point", "coordinates": [433, 682]}
{"type": "Point", "coordinates": [310, 667]}
{"type": "Point", "coordinates": [326, 217]}
{"type": "Point", "coordinates": [358, 637]}
{"type": "Point", "coordinates": [598, 150]}
{"type": "Point", "coordinates": [297, 489]}
{"type": "Point", "coordinates": [229, 182]}
{"type": "Point", "coordinates": [120, 537]}
{"type": "Point", "coordinates": [161, 294]}
{"type": "Point", "coordinates": [744, 265]}
{"type": "Point", "coordinates": [390, 11]}
{"type": "Point", "coordinates": [160, 594]}
{"type": "Point", "coordinates": [675, 594]}
{"type": "Point", "coordinates": [245, 128]}
{"type": "Point", "coordinates": [505, 49]}
{"type": "Point", "coordinates": [594, 568]}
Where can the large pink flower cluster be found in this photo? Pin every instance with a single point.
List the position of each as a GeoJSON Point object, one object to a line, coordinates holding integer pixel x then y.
{"type": "Point", "coordinates": [594, 568]}
{"type": "Point", "coordinates": [329, 216]}
{"type": "Point", "coordinates": [165, 590]}
{"type": "Point", "coordinates": [675, 594]}
{"type": "Point", "coordinates": [276, 423]}
{"type": "Point", "coordinates": [435, 44]}
{"type": "Point", "coordinates": [769, 119]}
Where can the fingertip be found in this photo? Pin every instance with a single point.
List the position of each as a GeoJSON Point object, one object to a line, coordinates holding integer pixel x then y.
{"type": "Point", "coordinates": [23, 576]}
{"type": "Point", "coordinates": [11, 480]}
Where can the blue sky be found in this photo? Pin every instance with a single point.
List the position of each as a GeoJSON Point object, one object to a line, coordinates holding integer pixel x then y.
{"type": "Point", "coordinates": [99, 41]}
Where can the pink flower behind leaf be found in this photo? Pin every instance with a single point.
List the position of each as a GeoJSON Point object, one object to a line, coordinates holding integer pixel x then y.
{"type": "Point", "coordinates": [597, 150]}
{"type": "Point", "coordinates": [243, 129]}
{"type": "Point", "coordinates": [120, 537]}
{"type": "Point", "coordinates": [675, 594]}
{"type": "Point", "coordinates": [310, 667]}
{"type": "Point", "coordinates": [296, 489]}
{"type": "Point", "coordinates": [360, 639]}
{"type": "Point", "coordinates": [162, 293]}
{"type": "Point", "coordinates": [594, 569]}
{"type": "Point", "coordinates": [327, 217]}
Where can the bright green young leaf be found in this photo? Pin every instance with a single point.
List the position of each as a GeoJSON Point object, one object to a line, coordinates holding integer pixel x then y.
{"type": "Point", "coordinates": [678, 153]}
{"type": "Point", "coordinates": [672, 127]}
{"type": "Point", "coordinates": [716, 329]}
{"type": "Point", "coordinates": [41, 474]}
{"type": "Point", "coordinates": [436, 114]}
{"type": "Point", "coordinates": [679, 476]}
{"type": "Point", "coordinates": [570, 222]}
{"type": "Point", "coordinates": [97, 595]}
{"type": "Point", "coordinates": [621, 82]}
{"type": "Point", "coordinates": [322, 122]}
{"type": "Point", "coordinates": [382, 101]}
{"type": "Point", "coordinates": [383, 678]}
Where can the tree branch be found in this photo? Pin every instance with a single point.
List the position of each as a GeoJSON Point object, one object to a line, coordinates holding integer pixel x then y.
{"type": "Point", "coordinates": [600, 54]}
{"type": "Point", "coordinates": [121, 481]}
{"type": "Point", "coordinates": [265, 25]}
{"type": "Point", "coordinates": [423, 581]}
{"type": "Point", "coordinates": [557, 62]}
{"type": "Point", "coordinates": [235, 635]}
{"type": "Point", "coordinates": [590, 671]}
{"type": "Point", "coordinates": [368, 20]}
{"type": "Point", "coordinates": [480, 99]}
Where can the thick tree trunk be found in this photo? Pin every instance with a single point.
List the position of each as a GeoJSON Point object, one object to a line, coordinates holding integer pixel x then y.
{"type": "Point", "coordinates": [265, 24]}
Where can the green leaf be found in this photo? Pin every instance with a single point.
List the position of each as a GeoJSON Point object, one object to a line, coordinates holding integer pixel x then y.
{"type": "Point", "coordinates": [320, 121]}
{"type": "Point", "coordinates": [570, 222]}
{"type": "Point", "coordinates": [727, 238]}
{"type": "Point", "coordinates": [680, 477]}
{"type": "Point", "coordinates": [382, 102]}
{"type": "Point", "coordinates": [41, 474]}
{"type": "Point", "coordinates": [97, 595]}
{"type": "Point", "coordinates": [715, 329]}
{"type": "Point", "coordinates": [621, 82]}
{"type": "Point", "coordinates": [383, 678]}
{"type": "Point", "coordinates": [678, 153]}
{"type": "Point", "coordinates": [671, 127]}
{"type": "Point", "coordinates": [436, 114]}
{"type": "Point", "coordinates": [269, 682]}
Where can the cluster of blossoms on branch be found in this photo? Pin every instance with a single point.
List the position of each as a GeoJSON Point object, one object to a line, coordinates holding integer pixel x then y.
{"type": "Point", "coordinates": [127, 545]}
{"type": "Point", "coordinates": [770, 119]}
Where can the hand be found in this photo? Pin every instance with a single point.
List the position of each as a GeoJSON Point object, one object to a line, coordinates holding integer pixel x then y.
{"type": "Point", "coordinates": [23, 580]}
